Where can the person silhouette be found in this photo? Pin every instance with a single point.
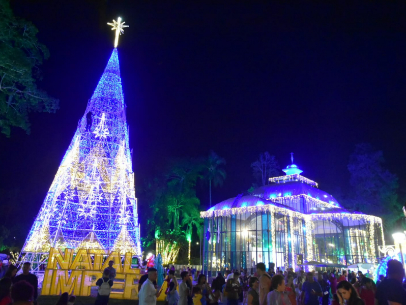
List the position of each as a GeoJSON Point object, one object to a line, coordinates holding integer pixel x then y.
{"type": "Point", "coordinates": [89, 120]}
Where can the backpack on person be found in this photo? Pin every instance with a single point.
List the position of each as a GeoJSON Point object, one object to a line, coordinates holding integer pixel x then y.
{"type": "Point", "coordinates": [104, 288]}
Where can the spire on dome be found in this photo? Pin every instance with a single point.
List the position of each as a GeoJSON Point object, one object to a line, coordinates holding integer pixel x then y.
{"type": "Point", "coordinates": [292, 169]}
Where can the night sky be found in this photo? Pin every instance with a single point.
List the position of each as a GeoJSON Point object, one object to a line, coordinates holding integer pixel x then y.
{"type": "Point", "coordinates": [241, 79]}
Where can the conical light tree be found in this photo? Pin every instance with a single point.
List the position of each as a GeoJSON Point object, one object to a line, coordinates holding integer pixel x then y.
{"type": "Point", "coordinates": [92, 198]}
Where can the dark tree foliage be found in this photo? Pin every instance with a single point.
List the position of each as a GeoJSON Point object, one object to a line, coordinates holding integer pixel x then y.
{"type": "Point", "coordinates": [265, 167]}
{"type": "Point", "coordinates": [20, 58]}
{"type": "Point", "coordinates": [214, 171]}
{"type": "Point", "coordinates": [374, 188]}
{"type": "Point", "coordinates": [171, 208]}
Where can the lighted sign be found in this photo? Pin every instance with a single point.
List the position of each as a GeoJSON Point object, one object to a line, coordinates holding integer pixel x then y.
{"type": "Point", "coordinates": [77, 272]}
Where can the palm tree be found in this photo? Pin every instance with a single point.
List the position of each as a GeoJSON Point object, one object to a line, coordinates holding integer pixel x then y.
{"type": "Point", "coordinates": [191, 217]}
{"type": "Point", "coordinates": [214, 171]}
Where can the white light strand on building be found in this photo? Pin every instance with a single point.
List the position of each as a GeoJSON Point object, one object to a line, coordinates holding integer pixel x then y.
{"type": "Point", "coordinates": [295, 177]}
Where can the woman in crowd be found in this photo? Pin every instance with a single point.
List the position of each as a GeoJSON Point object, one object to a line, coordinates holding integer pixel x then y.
{"type": "Point", "coordinates": [367, 292]}
{"type": "Point", "coordinates": [204, 287]}
{"type": "Point", "coordinates": [11, 272]}
{"type": "Point", "coordinates": [253, 296]}
{"type": "Point", "coordinates": [290, 289]}
{"type": "Point", "coordinates": [298, 282]}
{"type": "Point", "coordinates": [347, 292]}
{"type": "Point", "coordinates": [278, 295]}
{"type": "Point", "coordinates": [216, 287]}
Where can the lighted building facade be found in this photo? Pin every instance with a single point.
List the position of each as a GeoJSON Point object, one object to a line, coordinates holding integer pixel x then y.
{"type": "Point", "coordinates": [288, 222]}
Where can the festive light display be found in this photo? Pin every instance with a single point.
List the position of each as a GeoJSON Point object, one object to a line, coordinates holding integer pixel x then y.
{"type": "Point", "coordinates": [299, 220]}
{"type": "Point", "coordinates": [117, 26]}
{"type": "Point", "coordinates": [169, 251]}
{"type": "Point", "coordinates": [91, 203]}
{"type": "Point", "coordinates": [293, 177]}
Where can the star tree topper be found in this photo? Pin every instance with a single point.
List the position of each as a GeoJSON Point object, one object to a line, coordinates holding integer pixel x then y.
{"type": "Point", "coordinates": [118, 26]}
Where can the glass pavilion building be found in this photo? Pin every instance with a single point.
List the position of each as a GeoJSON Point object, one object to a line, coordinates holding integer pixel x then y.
{"type": "Point", "coordinates": [287, 222]}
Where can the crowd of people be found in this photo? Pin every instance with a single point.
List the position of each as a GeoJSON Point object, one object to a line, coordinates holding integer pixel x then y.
{"type": "Point", "coordinates": [22, 289]}
{"type": "Point", "coordinates": [279, 288]}
{"type": "Point", "coordinates": [232, 287]}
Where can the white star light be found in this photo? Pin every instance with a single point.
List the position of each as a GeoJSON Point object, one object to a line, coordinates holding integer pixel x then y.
{"type": "Point", "coordinates": [118, 27]}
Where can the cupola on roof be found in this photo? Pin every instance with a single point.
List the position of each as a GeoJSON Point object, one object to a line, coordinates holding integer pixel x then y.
{"type": "Point", "coordinates": [292, 169]}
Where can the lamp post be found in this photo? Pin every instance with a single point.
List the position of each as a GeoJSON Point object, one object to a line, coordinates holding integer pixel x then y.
{"type": "Point", "coordinates": [399, 238]}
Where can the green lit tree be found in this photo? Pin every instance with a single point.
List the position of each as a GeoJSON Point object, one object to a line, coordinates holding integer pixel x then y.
{"type": "Point", "coordinates": [21, 55]}
{"type": "Point", "coordinates": [170, 196]}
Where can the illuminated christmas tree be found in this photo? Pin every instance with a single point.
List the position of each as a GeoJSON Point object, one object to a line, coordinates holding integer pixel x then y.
{"type": "Point", "coordinates": [91, 202]}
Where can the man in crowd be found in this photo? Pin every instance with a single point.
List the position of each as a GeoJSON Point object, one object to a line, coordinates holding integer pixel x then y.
{"type": "Point", "coordinates": [233, 289]}
{"type": "Point", "coordinates": [311, 291]}
{"type": "Point", "coordinates": [390, 290]}
{"type": "Point", "coordinates": [264, 283]}
{"type": "Point", "coordinates": [112, 270]}
{"type": "Point", "coordinates": [149, 292]}
{"type": "Point", "coordinates": [184, 291]}
{"type": "Point", "coordinates": [30, 278]}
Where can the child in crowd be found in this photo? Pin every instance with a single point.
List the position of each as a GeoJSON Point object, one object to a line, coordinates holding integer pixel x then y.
{"type": "Point", "coordinates": [104, 289]}
{"type": "Point", "coordinates": [197, 296]}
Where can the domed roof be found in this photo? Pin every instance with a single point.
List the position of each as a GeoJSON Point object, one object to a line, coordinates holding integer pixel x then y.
{"type": "Point", "coordinates": [294, 188]}
{"type": "Point", "coordinates": [238, 202]}
{"type": "Point", "coordinates": [283, 188]}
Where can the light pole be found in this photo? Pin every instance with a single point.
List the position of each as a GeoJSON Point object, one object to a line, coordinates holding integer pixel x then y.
{"type": "Point", "coordinates": [399, 238]}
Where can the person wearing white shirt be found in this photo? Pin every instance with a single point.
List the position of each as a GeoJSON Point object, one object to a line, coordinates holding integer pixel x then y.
{"type": "Point", "coordinates": [184, 291]}
{"type": "Point", "coordinates": [148, 292]}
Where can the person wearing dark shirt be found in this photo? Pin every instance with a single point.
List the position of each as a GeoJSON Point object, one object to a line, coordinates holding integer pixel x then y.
{"type": "Point", "coordinates": [325, 288]}
{"type": "Point", "coordinates": [113, 271]}
{"type": "Point", "coordinates": [189, 285]}
{"type": "Point", "coordinates": [104, 284]}
{"type": "Point", "coordinates": [381, 278]}
{"type": "Point", "coordinates": [346, 292]}
{"type": "Point", "coordinates": [253, 296]}
{"type": "Point", "coordinates": [30, 278]}
{"type": "Point", "coordinates": [232, 289]}
{"type": "Point", "coordinates": [390, 290]}
{"type": "Point", "coordinates": [311, 291]}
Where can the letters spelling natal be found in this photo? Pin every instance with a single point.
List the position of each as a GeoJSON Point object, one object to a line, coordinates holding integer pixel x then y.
{"type": "Point", "coordinates": [66, 273]}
